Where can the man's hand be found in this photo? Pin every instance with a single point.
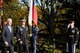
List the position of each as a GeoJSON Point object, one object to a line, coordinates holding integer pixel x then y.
{"type": "Point", "coordinates": [19, 39]}
{"type": "Point", "coordinates": [6, 44]}
{"type": "Point", "coordinates": [76, 42]}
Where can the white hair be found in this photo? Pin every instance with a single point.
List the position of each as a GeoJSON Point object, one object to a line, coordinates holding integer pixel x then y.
{"type": "Point", "coordinates": [9, 19]}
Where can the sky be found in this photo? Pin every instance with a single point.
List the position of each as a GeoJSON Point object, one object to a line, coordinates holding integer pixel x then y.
{"type": "Point", "coordinates": [29, 1]}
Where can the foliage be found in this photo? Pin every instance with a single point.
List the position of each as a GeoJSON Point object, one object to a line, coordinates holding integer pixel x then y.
{"type": "Point", "coordinates": [52, 20]}
{"type": "Point", "coordinates": [77, 50]}
{"type": "Point", "coordinates": [12, 9]}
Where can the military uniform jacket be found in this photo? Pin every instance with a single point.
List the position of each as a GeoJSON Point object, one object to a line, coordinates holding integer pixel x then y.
{"type": "Point", "coordinates": [22, 34]}
{"type": "Point", "coordinates": [73, 35]}
{"type": "Point", "coordinates": [34, 32]}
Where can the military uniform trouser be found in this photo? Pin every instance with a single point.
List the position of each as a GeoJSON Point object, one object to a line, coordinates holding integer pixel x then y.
{"type": "Point", "coordinates": [22, 48]}
{"type": "Point", "coordinates": [71, 48]}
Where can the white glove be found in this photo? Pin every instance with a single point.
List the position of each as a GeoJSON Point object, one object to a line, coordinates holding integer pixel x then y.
{"type": "Point", "coordinates": [30, 35]}
{"type": "Point", "coordinates": [19, 39]}
{"type": "Point", "coordinates": [68, 25]}
{"type": "Point", "coordinates": [6, 44]}
{"type": "Point", "coordinates": [21, 42]}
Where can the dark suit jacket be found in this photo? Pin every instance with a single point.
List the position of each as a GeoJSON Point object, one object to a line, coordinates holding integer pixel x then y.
{"type": "Point", "coordinates": [22, 34]}
{"type": "Point", "coordinates": [7, 35]}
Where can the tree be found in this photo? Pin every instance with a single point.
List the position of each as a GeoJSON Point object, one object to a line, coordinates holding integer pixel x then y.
{"type": "Point", "coordinates": [14, 10]}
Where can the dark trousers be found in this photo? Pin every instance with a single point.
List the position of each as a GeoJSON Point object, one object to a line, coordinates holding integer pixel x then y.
{"type": "Point", "coordinates": [33, 44]}
{"type": "Point", "coordinates": [71, 47]}
{"type": "Point", "coordinates": [22, 48]}
{"type": "Point", "coordinates": [11, 49]}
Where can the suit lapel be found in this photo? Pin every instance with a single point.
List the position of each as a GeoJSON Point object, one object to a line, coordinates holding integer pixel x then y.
{"type": "Point", "coordinates": [9, 29]}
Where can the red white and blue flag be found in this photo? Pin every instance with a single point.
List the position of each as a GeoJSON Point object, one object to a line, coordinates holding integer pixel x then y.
{"type": "Point", "coordinates": [32, 13]}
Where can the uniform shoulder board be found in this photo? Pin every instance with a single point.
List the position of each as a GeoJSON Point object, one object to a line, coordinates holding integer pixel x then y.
{"type": "Point", "coordinates": [20, 28]}
{"type": "Point", "coordinates": [77, 30]}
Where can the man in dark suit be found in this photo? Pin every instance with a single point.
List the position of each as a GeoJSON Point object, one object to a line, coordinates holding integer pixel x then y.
{"type": "Point", "coordinates": [72, 36]}
{"type": "Point", "coordinates": [7, 37]}
{"type": "Point", "coordinates": [22, 35]}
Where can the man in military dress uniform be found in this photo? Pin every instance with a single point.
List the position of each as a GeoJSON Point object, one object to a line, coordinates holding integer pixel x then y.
{"type": "Point", "coordinates": [22, 35]}
{"type": "Point", "coordinates": [34, 37]}
{"type": "Point", "coordinates": [72, 36]}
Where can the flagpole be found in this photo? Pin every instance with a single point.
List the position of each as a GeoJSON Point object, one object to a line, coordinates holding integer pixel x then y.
{"type": "Point", "coordinates": [30, 17]}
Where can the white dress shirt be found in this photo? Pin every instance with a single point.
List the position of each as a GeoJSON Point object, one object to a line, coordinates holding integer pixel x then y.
{"type": "Point", "coordinates": [10, 28]}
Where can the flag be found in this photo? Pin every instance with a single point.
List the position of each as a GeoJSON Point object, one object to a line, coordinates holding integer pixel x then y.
{"type": "Point", "coordinates": [30, 13]}
{"type": "Point", "coordinates": [34, 13]}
